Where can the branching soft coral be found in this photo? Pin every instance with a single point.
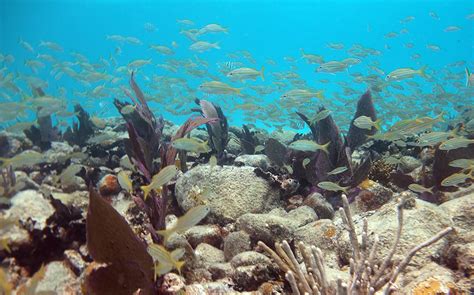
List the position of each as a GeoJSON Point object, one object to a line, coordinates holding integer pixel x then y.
{"type": "Point", "coordinates": [367, 276]}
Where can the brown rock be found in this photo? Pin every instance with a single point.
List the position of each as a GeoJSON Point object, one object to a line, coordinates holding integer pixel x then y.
{"type": "Point", "coordinates": [431, 279]}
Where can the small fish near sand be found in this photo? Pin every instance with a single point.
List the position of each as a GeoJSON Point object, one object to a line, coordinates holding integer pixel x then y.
{"type": "Point", "coordinates": [185, 222]}
{"type": "Point", "coordinates": [164, 176]}
{"type": "Point", "coordinates": [331, 186]}
{"type": "Point", "coordinates": [455, 143]}
{"type": "Point", "coordinates": [308, 146]}
{"type": "Point", "coordinates": [166, 261]}
{"type": "Point", "coordinates": [417, 188]}
{"type": "Point", "coordinates": [191, 145]}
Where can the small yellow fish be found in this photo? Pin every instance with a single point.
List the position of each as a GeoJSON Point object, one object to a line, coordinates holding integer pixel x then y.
{"type": "Point", "coordinates": [162, 49]}
{"type": "Point", "coordinates": [331, 186]}
{"type": "Point", "coordinates": [302, 94]}
{"type": "Point", "coordinates": [364, 122]}
{"type": "Point", "coordinates": [139, 63]}
{"type": "Point", "coordinates": [321, 116]}
{"type": "Point", "coordinates": [165, 261]}
{"type": "Point", "coordinates": [26, 158]}
{"type": "Point", "coordinates": [332, 67]}
{"type": "Point", "coordinates": [185, 222]}
{"type": "Point", "coordinates": [98, 122]}
{"type": "Point", "coordinates": [124, 181]}
{"type": "Point", "coordinates": [455, 143]}
{"type": "Point", "coordinates": [259, 148]}
{"type": "Point", "coordinates": [433, 138]}
{"type": "Point", "coordinates": [201, 46]}
{"type": "Point", "coordinates": [194, 145]}
{"type": "Point", "coordinates": [242, 74]}
{"type": "Point", "coordinates": [420, 189]}
{"type": "Point", "coordinates": [128, 109]}
{"type": "Point", "coordinates": [462, 163]}
{"type": "Point", "coordinates": [337, 170]}
{"type": "Point", "coordinates": [455, 179]}
{"type": "Point", "coordinates": [216, 87]}
{"type": "Point", "coordinates": [67, 176]}
{"type": "Point", "coordinates": [160, 179]}
{"type": "Point", "coordinates": [308, 146]}
{"type": "Point", "coordinates": [404, 73]}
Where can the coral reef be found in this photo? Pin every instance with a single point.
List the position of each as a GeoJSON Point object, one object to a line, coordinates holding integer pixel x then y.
{"type": "Point", "coordinates": [93, 208]}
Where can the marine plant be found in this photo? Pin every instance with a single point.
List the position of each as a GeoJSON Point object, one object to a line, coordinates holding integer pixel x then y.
{"type": "Point", "coordinates": [145, 146]}
{"type": "Point", "coordinates": [170, 154]}
{"type": "Point", "coordinates": [42, 135]}
{"type": "Point", "coordinates": [357, 136]}
{"type": "Point", "coordinates": [122, 264]}
{"type": "Point", "coordinates": [82, 130]}
{"type": "Point", "coordinates": [368, 273]}
{"type": "Point", "coordinates": [339, 150]}
{"type": "Point", "coordinates": [441, 167]}
{"type": "Point", "coordinates": [276, 151]}
{"type": "Point", "coordinates": [144, 131]}
{"type": "Point", "coordinates": [248, 140]}
{"type": "Point", "coordinates": [218, 130]}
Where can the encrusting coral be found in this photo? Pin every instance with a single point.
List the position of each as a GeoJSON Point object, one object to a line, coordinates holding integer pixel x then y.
{"type": "Point", "coordinates": [368, 273]}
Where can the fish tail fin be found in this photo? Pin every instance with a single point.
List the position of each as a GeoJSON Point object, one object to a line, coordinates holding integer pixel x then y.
{"type": "Point", "coordinates": [179, 265]}
{"type": "Point", "coordinates": [467, 77]}
{"type": "Point", "coordinates": [205, 144]}
{"type": "Point", "coordinates": [430, 189]}
{"type": "Point", "coordinates": [146, 190]}
{"type": "Point", "coordinates": [378, 124]}
{"type": "Point", "coordinates": [423, 71]}
{"type": "Point", "coordinates": [325, 147]}
{"type": "Point", "coordinates": [261, 73]}
{"type": "Point", "coordinates": [302, 53]}
{"type": "Point", "coordinates": [237, 90]}
{"type": "Point", "coordinates": [440, 118]}
{"type": "Point", "coordinates": [4, 243]}
{"type": "Point", "coordinates": [320, 95]}
{"type": "Point", "coordinates": [216, 45]}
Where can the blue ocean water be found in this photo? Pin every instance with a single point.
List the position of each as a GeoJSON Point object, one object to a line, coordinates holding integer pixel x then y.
{"type": "Point", "coordinates": [272, 30]}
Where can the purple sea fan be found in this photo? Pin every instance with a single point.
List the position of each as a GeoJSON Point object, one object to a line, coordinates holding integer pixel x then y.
{"type": "Point", "coordinates": [365, 107]}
